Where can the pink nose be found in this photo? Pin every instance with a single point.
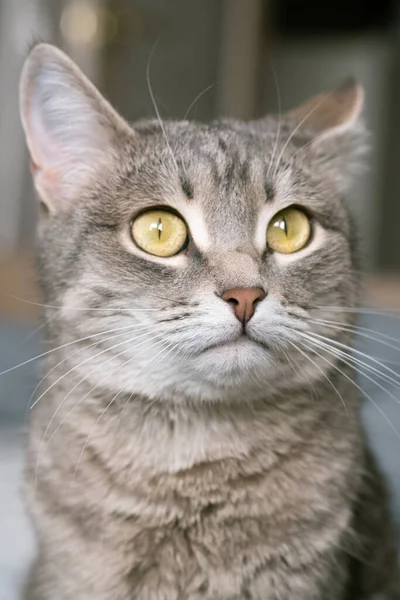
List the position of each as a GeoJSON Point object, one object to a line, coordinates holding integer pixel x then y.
{"type": "Point", "coordinates": [243, 301]}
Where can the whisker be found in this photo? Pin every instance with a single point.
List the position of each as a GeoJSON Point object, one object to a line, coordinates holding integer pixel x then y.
{"type": "Point", "coordinates": [80, 364]}
{"type": "Point", "coordinates": [46, 321]}
{"type": "Point", "coordinates": [295, 369]}
{"type": "Point", "coordinates": [168, 345]}
{"type": "Point", "coordinates": [339, 353]}
{"type": "Point", "coordinates": [350, 363]}
{"type": "Point", "coordinates": [363, 392]}
{"type": "Point", "coordinates": [278, 96]}
{"type": "Point", "coordinates": [176, 301]}
{"type": "Point", "coordinates": [303, 147]}
{"type": "Point", "coordinates": [322, 373]}
{"type": "Point", "coordinates": [200, 95]}
{"type": "Point", "coordinates": [155, 104]}
{"type": "Point", "coordinates": [298, 126]}
{"type": "Point", "coordinates": [346, 347]}
{"type": "Point", "coordinates": [81, 308]}
{"type": "Point", "coordinates": [290, 359]}
{"type": "Point", "coordinates": [38, 356]}
{"type": "Point", "coordinates": [107, 408]}
{"type": "Point", "coordinates": [41, 451]}
{"type": "Point", "coordinates": [357, 329]}
{"type": "Point", "coordinates": [384, 312]}
{"type": "Point", "coordinates": [133, 327]}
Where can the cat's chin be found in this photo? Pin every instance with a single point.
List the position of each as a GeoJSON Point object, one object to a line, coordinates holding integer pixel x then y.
{"type": "Point", "coordinates": [233, 362]}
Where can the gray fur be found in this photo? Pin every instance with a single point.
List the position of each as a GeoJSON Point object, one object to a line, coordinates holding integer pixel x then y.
{"type": "Point", "coordinates": [170, 462]}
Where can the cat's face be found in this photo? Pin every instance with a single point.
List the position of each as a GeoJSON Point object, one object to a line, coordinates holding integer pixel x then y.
{"type": "Point", "coordinates": [171, 240]}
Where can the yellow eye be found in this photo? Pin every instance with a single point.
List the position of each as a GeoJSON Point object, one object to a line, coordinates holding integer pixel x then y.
{"type": "Point", "coordinates": [160, 233]}
{"type": "Point", "coordinates": [288, 231]}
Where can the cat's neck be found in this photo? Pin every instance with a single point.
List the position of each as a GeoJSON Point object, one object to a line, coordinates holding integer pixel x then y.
{"type": "Point", "coordinates": [155, 437]}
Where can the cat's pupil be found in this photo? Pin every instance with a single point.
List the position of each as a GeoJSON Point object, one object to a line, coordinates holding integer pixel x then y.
{"type": "Point", "coordinates": [157, 228]}
{"type": "Point", "coordinates": [282, 225]}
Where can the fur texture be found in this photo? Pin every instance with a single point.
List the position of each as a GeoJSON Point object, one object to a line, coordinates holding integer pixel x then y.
{"type": "Point", "coordinates": [172, 457]}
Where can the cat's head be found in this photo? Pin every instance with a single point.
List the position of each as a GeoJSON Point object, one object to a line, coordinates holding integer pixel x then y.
{"type": "Point", "coordinates": [206, 253]}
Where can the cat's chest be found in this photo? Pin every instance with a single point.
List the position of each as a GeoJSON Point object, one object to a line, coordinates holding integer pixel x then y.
{"type": "Point", "coordinates": [233, 557]}
{"type": "Point", "coordinates": [216, 541]}
{"type": "Point", "coordinates": [219, 529]}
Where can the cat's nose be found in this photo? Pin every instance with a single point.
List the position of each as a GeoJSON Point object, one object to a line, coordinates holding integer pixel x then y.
{"type": "Point", "coordinates": [243, 301]}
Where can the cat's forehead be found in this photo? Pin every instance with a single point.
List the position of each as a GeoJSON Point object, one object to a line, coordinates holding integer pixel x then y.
{"type": "Point", "coordinates": [222, 178]}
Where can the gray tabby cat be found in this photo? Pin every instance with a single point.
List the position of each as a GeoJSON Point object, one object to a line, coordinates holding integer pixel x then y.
{"type": "Point", "coordinates": [197, 434]}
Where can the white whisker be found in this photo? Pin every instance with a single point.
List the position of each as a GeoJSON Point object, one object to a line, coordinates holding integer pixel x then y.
{"type": "Point", "coordinates": [354, 363]}
{"type": "Point", "coordinates": [346, 347]}
{"type": "Point", "coordinates": [322, 373]}
{"type": "Point", "coordinates": [82, 363]}
{"type": "Point", "coordinates": [278, 95]}
{"type": "Point", "coordinates": [107, 408]}
{"type": "Point", "coordinates": [168, 345]}
{"type": "Point", "coordinates": [200, 95]}
{"type": "Point", "coordinates": [38, 356]}
{"type": "Point", "coordinates": [40, 451]}
{"type": "Point", "coordinates": [363, 392]}
{"type": "Point", "coordinates": [298, 126]}
{"type": "Point", "coordinates": [82, 308]}
{"type": "Point", "coordinates": [357, 329]}
{"type": "Point", "coordinates": [108, 338]}
{"type": "Point", "coordinates": [46, 321]}
{"type": "Point", "coordinates": [303, 147]}
{"type": "Point", "coordinates": [156, 107]}
{"type": "Point", "coordinates": [383, 312]}
{"type": "Point", "coordinates": [357, 362]}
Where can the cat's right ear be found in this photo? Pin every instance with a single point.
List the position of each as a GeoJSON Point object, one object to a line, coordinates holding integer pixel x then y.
{"type": "Point", "coordinates": [334, 126]}
{"type": "Point", "coordinates": [72, 132]}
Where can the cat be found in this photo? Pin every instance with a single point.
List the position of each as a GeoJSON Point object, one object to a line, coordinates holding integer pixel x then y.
{"type": "Point", "coordinates": [197, 432]}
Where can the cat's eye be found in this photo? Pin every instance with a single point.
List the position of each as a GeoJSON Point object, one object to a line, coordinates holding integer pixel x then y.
{"type": "Point", "coordinates": [288, 231]}
{"type": "Point", "coordinates": [160, 232]}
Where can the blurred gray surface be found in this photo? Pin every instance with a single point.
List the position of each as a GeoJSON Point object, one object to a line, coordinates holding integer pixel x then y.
{"type": "Point", "coordinates": [17, 345]}
{"type": "Point", "coordinates": [20, 344]}
{"type": "Point", "coordinates": [382, 410]}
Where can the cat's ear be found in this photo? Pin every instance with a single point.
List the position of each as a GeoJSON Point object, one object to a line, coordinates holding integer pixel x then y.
{"type": "Point", "coordinates": [71, 130]}
{"type": "Point", "coordinates": [334, 125]}
{"type": "Point", "coordinates": [332, 112]}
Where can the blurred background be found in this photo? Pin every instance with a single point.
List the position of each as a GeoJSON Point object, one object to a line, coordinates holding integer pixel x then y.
{"type": "Point", "coordinates": [239, 58]}
{"type": "Point", "coordinates": [230, 55]}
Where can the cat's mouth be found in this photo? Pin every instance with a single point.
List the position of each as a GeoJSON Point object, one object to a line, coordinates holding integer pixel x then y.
{"type": "Point", "coordinates": [241, 341]}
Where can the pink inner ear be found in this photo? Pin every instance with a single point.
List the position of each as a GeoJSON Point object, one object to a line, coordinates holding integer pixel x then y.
{"type": "Point", "coordinates": [45, 162]}
{"type": "Point", "coordinates": [42, 145]}
{"type": "Point", "coordinates": [70, 128]}
{"type": "Point", "coordinates": [47, 183]}
{"type": "Point", "coordinates": [58, 151]}
{"type": "Point", "coordinates": [33, 167]}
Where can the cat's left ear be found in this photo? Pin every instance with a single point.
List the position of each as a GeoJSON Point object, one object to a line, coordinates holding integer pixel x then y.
{"type": "Point", "coordinates": [72, 132]}
{"type": "Point", "coordinates": [334, 125]}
